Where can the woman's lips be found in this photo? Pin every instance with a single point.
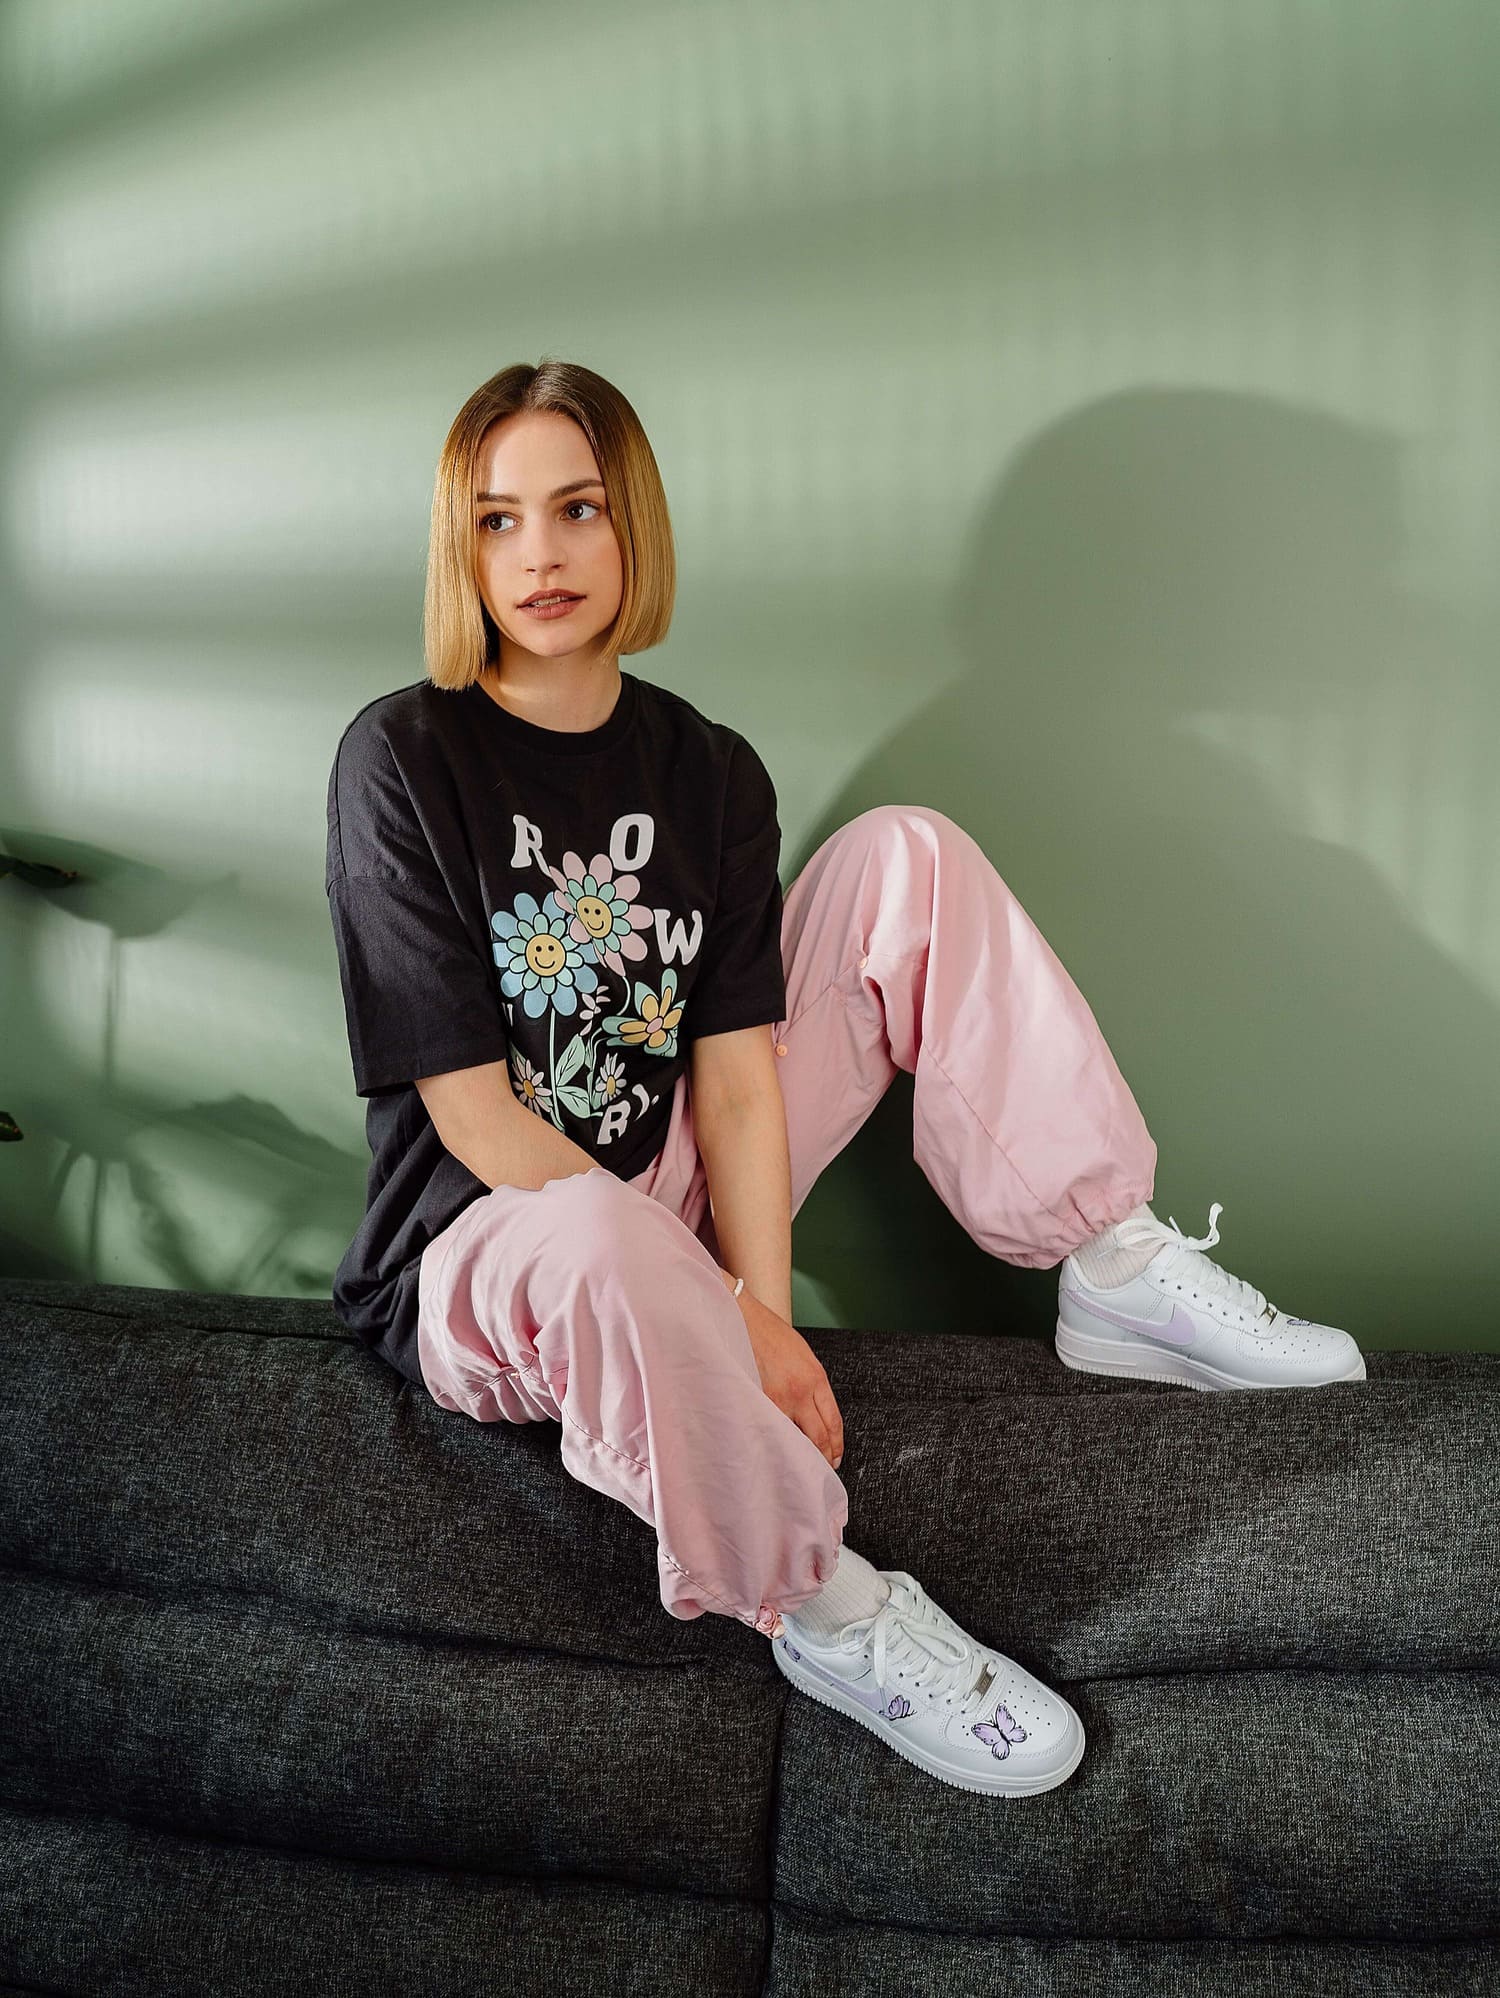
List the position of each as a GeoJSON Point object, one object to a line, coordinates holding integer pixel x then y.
{"type": "Point", "coordinates": [551, 610]}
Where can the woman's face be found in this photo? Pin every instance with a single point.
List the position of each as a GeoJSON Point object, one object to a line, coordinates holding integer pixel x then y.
{"type": "Point", "coordinates": [541, 517]}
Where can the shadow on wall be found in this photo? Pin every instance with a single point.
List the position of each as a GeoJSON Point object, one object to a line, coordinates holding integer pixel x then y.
{"type": "Point", "coordinates": [227, 1194]}
{"type": "Point", "coordinates": [1189, 650]}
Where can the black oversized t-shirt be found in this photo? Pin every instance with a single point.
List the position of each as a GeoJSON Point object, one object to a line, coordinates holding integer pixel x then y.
{"type": "Point", "coordinates": [578, 904]}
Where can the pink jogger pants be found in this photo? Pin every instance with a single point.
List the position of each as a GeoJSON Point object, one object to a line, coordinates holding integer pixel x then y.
{"type": "Point", "coordinates": [595, 1301]}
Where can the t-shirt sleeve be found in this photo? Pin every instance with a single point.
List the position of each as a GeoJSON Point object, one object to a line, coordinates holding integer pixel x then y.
{"type": "Point", "coordinates": [420, 995]}
{"type": "Point", "coordinates": [741, 981]}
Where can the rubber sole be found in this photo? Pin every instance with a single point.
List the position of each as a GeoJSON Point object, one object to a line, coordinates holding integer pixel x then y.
{"type": "Point", "coordinates": [1016, 1786]}
{"type": "Point", "coordinates": [1090, 1355]}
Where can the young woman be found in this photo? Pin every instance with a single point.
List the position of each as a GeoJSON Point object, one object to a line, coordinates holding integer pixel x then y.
{"type": "Point", "coordinates": [605, 1064]}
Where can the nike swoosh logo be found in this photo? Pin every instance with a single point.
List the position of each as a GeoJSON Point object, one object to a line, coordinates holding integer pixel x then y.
{"type": "Point", "coordinates": [1181, 1329]}
{"type": "Point", "coordinates": [871, 1697]}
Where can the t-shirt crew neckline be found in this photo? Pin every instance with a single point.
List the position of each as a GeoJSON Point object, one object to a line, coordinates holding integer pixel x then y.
{"type": "Point", "coordinates": [530, 735]}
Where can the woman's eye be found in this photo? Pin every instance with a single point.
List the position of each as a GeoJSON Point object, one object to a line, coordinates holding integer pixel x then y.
{"type": "Point", "coordinates": [593, 505]}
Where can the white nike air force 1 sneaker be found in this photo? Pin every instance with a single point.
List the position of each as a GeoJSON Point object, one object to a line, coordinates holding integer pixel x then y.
{"type": "Point", "coordinates": [1185, 1320]}
{"type": "Point", "coordinates": [966, 1714]}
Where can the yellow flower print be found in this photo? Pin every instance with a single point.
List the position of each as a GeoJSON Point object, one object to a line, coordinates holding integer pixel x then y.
{"type": "Point", "coordinates": [654, 1026]}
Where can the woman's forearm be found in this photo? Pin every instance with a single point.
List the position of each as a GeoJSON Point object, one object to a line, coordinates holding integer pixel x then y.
{"type": "Point", "coordinates": [749, 1171]}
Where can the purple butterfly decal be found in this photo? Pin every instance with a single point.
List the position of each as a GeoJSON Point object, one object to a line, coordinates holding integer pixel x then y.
{"type": "Point", "coordinates": [897, 1708]}
{"type": "Point", "coordinates": [791, 1647]}
{"type": "Point", "coordinates": [1000, 1733]}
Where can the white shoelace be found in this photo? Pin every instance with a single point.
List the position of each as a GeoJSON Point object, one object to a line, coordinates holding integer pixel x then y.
{"type": "Point", "coordinates": [1209, 1277]}
{"type": "Point", "coordinates": [951, 1664]}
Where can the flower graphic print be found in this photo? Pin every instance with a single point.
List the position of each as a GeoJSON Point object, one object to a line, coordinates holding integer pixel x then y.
{"type": "Point", "coordinates": [605, 912]}
{"type": "Point", "coordinates": [538, 960]}
{"type": "Point", "coordinates": [554, 958]}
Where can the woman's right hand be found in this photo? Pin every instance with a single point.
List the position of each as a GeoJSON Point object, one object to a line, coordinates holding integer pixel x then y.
{"type": "Point", "coordinates": [792, 1375]}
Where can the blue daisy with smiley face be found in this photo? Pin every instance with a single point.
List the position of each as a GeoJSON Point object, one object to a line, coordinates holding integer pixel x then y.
{"type": "Point", "coordinates": [540, 963]}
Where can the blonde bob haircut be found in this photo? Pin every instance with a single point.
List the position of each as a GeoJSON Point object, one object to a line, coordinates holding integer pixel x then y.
{"type": "Point", "coordinates": [460, 637]}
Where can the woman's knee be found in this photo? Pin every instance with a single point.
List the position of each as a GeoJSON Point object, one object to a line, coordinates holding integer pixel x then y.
{"type": "Point", "coordinates": [881, 824]}
{"type": "Point", "coordinates": [616, 1258]}
{"type": "Point", "coordinates": [610, 1224]}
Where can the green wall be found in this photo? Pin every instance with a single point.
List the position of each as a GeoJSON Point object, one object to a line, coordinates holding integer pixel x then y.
{"type": "Point", "coordinates": [1080, 418]}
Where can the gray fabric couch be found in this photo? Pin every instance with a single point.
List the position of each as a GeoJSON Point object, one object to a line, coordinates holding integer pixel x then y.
{"type": "Point", "coordinates": [315, 1688]}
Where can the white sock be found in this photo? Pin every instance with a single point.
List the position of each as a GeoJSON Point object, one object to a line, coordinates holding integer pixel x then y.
{"type": "Point", "coordinates": [1105, 1262]}
{"type": "Point", "coordinates": [852, 1591]}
